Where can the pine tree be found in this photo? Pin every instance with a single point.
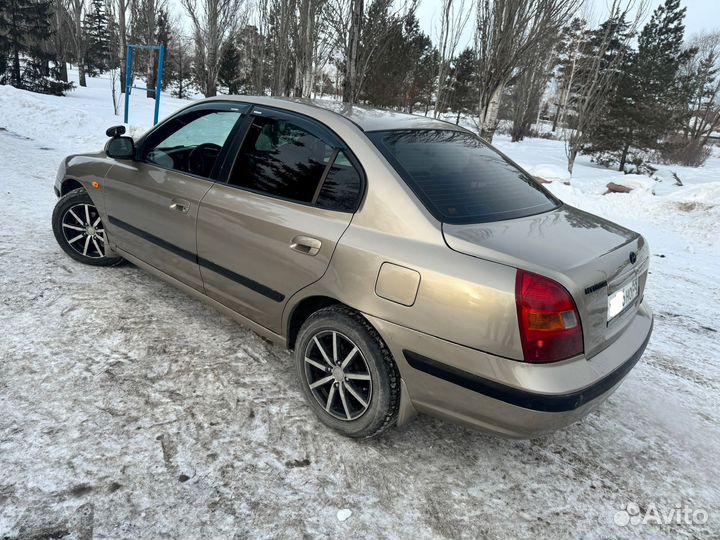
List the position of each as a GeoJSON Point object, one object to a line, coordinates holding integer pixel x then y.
{"type": "Point", "coordinates": [24, 32]}
{"type": "Point", "coordinates": [611, 138]}
{"type": "Point", "coordinates": [463, 96]}
{"type": "Point", "coordinates": [229, 74]}
{"type": "Point", "coordinates": [650, 100]}
{"type": "Point", "coordinates": [98, 35]}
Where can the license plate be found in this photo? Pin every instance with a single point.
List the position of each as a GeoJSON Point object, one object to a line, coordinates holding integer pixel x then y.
{"type": "Point", "coordinates": [622, 298]}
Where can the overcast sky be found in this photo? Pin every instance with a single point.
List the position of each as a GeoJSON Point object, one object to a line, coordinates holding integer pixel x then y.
{"type": "Point", "coordinates": [702, 15]}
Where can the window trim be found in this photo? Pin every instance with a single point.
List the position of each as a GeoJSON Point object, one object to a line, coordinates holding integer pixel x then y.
{"type": "Point", "coordinates": [213, 106]}
{"type": "Point", "coordinates": [375, 137]}
{"type": "Point", "coordinates": [324, 176]}
{"type": "Point", "coordinates": [339, 145]}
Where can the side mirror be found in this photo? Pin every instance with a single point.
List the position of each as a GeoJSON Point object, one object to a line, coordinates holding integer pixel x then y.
{"type": "Point", "coordinates": [115, 131]}
{"type": "Point", "coordinates": [120, 148]}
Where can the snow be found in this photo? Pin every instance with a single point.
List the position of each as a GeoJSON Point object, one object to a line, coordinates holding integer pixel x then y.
{"type": "Point", "coordinates": [129, 410]}
{"type": "Point", "coordinates": [344, 514]}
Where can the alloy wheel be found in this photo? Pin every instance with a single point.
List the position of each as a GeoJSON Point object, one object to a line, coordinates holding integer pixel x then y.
{"type": "Point", "coordinates": [338, 375]}
{"type": "Point", "coordinates": [83, 230]}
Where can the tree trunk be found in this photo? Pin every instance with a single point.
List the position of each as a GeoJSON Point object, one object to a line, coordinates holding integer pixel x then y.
{"type": "Point", "coordinates": [457, 119]}
{"type": "Point", "coordinates": [122, 30]}
{"type": "Point", "coordinates": [572, 155]}
{"type": "Point", "coordinates": [623, 157]}
{"type": "Point", "coordinates": [63, 74]}
{"type": "Point", "coordinates": [81, 72]}
{"type": "Point", "coordinates": [152, 78]}
{"type": "Point", "coordinates": [16, 68]}
{"type": "Point", "coordinates": [555, 118]}
{"type": "Point", "coordinates": [489, 113]}
{"type": "Point", "coordinates": [79, 42]}
{"type": "Point", "coordinates": [16, 54]}
{"type": "Point", "coordinates": [351, 60]}
{"type": "Point", "coordinates": [443, 60]}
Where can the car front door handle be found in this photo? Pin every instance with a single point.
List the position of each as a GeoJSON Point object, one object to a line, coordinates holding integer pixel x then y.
{"type": "Point", "coordinates": [306, 245]}
{"type": "Point", "coordinates": [181, 205]}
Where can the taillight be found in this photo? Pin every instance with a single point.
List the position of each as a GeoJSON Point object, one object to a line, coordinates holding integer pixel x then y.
{"type": "Point", "coordinates": [550, 328]}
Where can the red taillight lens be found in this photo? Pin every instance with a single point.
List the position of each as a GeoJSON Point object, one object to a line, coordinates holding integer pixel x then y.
{"type": "Point", "coordinates": [550, 328]}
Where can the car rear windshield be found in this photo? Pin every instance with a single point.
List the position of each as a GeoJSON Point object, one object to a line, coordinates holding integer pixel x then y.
{"type": "Point", "coordinates": [459, 178]}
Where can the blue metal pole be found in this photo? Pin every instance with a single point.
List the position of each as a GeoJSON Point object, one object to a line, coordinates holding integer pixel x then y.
{"type": "Point", "coordinates": [128, 81]}
{"type": "Point", "coordinates": [158, 88]}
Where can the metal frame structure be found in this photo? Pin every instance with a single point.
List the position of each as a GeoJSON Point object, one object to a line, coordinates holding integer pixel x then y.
{"type": "Point", "coordinates": [128, 77]}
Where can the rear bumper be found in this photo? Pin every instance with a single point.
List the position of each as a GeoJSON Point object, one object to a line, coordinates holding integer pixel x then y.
{"type": "Point", "coordinates": [506, 396]}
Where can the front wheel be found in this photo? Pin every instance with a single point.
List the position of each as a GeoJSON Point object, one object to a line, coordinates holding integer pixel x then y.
{"type": "Point", "coordinates": [347, 373]}
{"type": "Point", "coordinates": [79, 230]}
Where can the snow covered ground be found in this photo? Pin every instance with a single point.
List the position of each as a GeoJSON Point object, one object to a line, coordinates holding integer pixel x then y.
{"type": "Point", "coordinates": [128, 410]}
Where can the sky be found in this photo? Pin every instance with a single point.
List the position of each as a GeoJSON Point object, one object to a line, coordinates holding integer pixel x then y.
{"type": "Point", "coordinates": [701, 15]}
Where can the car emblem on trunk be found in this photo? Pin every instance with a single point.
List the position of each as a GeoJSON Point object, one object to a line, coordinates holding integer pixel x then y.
{"type": "Point", "coordinates": [633, 257]}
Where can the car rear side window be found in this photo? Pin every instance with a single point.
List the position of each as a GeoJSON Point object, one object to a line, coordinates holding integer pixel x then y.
{"type": "Point", "coordinates": [342, 185]}
{"type": "Point", "coordinates": [459, 178]}
{"type": "Point", "coordinates": [283, 159]}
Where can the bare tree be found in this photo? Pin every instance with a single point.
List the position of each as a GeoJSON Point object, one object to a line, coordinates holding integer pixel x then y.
{"type": "Point", "coordinates": [121, 12]}
{"type": "Point", "coordinates": [454, 18]}
{"type": "Point", "coordinates": [528, 90]}
{"type": "Point", "coordinates": [600, 71]}
{"type": "Point", "coordinates": [704, 108]}
{"type": "Point", "coordinates": [213, 22]}
{"type": "Point", "coordinates": [568, 60]}
{"type": "Point", "coordinates": [352, 53]}
{"type": "Point", "coordinates": [506, 30]}
{"type": "Point", "coordinates": [76, 10]}
{"type": "Point", "coordinates": [61, 35]}
{"type": "Point", "coordinates": [358, 43]}
{"type": "Point", "coordinates": [307, 37]}
{"type": "Point", "coordinates": [261, 21]}
{"type": "Point", "coordinates": [283, 25]}
{"type": "Point", "coordinates": [145, 23]}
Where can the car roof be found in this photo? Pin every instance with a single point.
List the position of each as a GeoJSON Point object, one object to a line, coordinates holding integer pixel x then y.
{"type": "Point", "coordinates": [366, 118]}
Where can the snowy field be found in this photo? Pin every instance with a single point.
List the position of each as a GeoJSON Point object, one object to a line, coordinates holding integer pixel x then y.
{"type": "Point", "coordinates": [129, 410]}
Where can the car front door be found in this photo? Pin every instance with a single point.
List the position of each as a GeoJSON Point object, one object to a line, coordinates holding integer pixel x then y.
{"type": "Point", "coordinates": [271, 229]}
{"type": "Point", "coordinates": [152, 202]}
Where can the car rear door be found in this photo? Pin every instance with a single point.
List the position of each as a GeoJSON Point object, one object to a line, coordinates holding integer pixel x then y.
{"type": "Point", "coordinates": [272, 227]}
{"type": "Point", "coordinates": [152, 202]}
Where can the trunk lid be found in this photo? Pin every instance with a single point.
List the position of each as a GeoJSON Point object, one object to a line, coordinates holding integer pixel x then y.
{"type": "Point", "coordinates": [590, 256]}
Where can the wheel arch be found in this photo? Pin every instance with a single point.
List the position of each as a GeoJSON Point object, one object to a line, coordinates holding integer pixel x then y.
{"type": "Point", "coordinates": [68, 185]}
{"type": "Point", "coordinates": [299, 313]}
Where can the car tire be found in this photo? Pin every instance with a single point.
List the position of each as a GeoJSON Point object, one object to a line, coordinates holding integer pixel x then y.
{"type": "Point", "coordinates": [79, 230]}
{"type": "Point", "coordinates": [360, 397]}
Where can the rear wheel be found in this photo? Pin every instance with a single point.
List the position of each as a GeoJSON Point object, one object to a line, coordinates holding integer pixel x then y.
{"type": "Point", "coordinates": [79, 230]}
{"type": "Point", "coordinates": [347, 373]}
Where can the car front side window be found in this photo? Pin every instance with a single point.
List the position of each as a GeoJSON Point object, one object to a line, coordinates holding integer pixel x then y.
{"type": "Point", "coordinates": [191, 142]}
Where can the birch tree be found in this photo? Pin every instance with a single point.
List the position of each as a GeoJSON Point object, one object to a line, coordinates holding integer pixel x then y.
{"type": "Point", "coordinates": [454, 18]}
{"type": "Point", "coordinates": [122, 8]}
{"type": "Point", "coordinates": [213, 22]}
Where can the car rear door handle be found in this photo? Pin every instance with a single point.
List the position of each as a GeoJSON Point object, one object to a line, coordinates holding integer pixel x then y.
{"type": "Point", "coordinates": [306, 245]}
{"type": "Point", "coordinates": [181, 205]}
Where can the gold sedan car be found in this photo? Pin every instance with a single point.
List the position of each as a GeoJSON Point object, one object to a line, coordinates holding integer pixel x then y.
{"type": "Point", "coordinates": [409, 265]}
